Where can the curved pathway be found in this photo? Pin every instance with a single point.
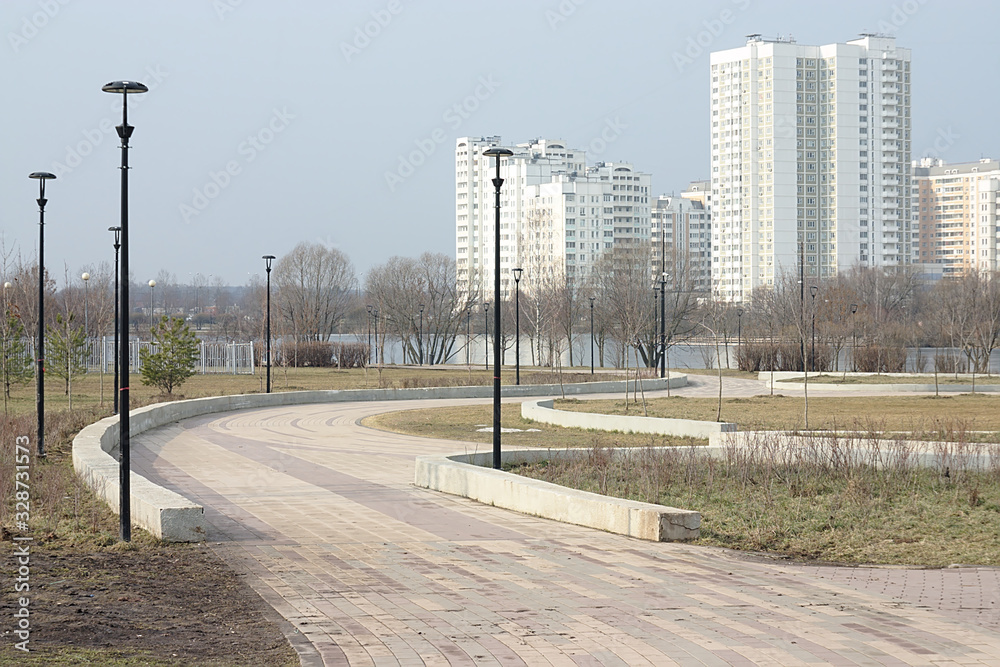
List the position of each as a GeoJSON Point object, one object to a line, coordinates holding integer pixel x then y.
{"type": "Point", "coordinates": [321, 516]}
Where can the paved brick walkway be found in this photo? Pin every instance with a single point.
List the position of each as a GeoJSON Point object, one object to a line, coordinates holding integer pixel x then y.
{"type": "Point", "coordinates": [368, 570]}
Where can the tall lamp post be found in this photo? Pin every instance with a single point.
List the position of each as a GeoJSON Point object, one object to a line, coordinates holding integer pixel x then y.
{"type": "Point", "coordinates": [41, 177]}
{"type": "Point", "coordinates": [854, 336]}
{"type": "Point", "coordinates": [152, 307]}
{"type": "Point", "coordinates": [496, 153]}
{"type": "Point", "coordinates": [118, 245]}
{"type": "Point", "coordinates": [375, 320]}
{"type": "Point", "coordinates": [86, 317]}
{"type": "Point", "coordinates": [517, 325]}
{"type": "Point", "coordinates": [420, 337]}
{"type": "Point", "coordinates": [369, 309]}
{"type": "Point", "coordinates": [468, 336]}
{"type": "Point", "coordinates": [486, 333]}
{"type": "Point", "coordinates": [739, 335]}
{"type": "Point", "coordinates": [125, 88]}
{"type": "Point", "coordinates": [813, 289]}
{"type": "Point", "coordinates": [663, 324]}
{"type": "Point", "coordinates": [267, 328]}
{"type": "Point", "coordinates": [592, 335]}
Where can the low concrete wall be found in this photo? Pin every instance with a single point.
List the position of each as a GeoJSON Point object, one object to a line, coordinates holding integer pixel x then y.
{"type": "Point", "coordinates": [781, 381]}
{"type": "Point", "coordinates": [542, 411]}
{"type": "Point", "coordinates": [172, 517]}
{"type": "Point", "coordinates": [466, 475]}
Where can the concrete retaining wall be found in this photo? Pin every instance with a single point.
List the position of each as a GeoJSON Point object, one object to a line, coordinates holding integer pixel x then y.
{"type": "Point", "coordinates": [172, 517]}
{"type": "Point", "coordinates": [781, 381]}
{"type": "Point", "coordinates": [467, 475]}
{"type": "Point", "coordinates": [542, 411]}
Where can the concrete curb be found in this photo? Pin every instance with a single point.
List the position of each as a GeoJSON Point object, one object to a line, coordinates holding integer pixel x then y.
{"type": "Point", "coordinates": [466, 475]}
{"type": "Point", "coordinates": [171, 517]}
{"type": "Point", "coordinates": [541, 410]}
{"type": "Point", "coordinates": [781, 382]}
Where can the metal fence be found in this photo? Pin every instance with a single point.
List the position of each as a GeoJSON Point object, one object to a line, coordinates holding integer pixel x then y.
{"type": "Point", "coordinates": [222, 358]}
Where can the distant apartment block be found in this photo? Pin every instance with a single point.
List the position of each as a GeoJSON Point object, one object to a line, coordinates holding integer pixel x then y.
{"type": "Point", "coordinates": [810, 158]}
{"type": "Point", "coordinates": [956, 210]}
{"type": "Point", "coordinates": [558, 215]}
{"type": "Point", "coordinates": [681, 231]}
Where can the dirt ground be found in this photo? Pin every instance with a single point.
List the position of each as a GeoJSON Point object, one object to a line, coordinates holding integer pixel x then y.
{"type": "Point", "coordinates": [171, 604]}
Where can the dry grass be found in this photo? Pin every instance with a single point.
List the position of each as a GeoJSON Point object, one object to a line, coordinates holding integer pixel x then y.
{"type": "Point", "coordinates": [896, 413]}
{"type": "Point", "coordinates": [943, 378]}
{"type": "Point", "coordinates": [854, 500]}
{"type": "Point", "coordinates": [463, 423]}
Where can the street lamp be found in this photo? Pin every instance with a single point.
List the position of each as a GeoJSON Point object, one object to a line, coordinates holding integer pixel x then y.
{"type": "Point", "coordinates": [152, 304]}
{"type": "Point", "coordinates": [86, 318]}
{"type": "Point", "coordinates": [375, 320]}
{"type": "Point", "coordinates": [496, 153]}
{"type": "Point", "coordinates": [663, 324]}
{"type": "Point", "coordinates": [420, 337]}
{"type": "Point", "coordinates": [813, 289]}
{"type": "Point", "coordinates": [486, 333]}
{"type": "Point", "coordinates": [517, 325]}
{"type": "Point", "coordinates": [267, 332]}
{"type": "Point", "coordinates": [468, 337]}
{"type": "Point", "coordinates": [124, 130]}
{"type": "Point", "coordinates": [118, 245]}
{"type": "Point", "coordinates": [41, 176]}
{"type": "Point", "coordinates": [739, 335]}
{"type": "Point", "coordinates": [592, 335]}
{"type": "Point", "coordinates": [854, 336]}
{"type": "Point", "coordinates": [369, 309]}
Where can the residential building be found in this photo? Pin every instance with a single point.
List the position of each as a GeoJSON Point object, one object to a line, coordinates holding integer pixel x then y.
{"type": "Point", "coordinates": [810, 160]}
{"type": "Point", "coordinates": [956, 211]}
{"type": "Point", "coordinates": [681, 234]}
{"type": "Point", "coordinates": [558, 215]}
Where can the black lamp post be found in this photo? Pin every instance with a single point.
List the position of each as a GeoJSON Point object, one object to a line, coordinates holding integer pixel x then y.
{"type": "Point", "coordinates": [592, 335]}
{"type": "Point", "coordinates": [486, 333]}
{"type": "Point", "coordinates": [517, 325]}
{"type": "Point", "coordinates": [420, 337]}
{"type": "Point", "coordinates": [663, 324]}
{"type": "Point", "coordinates": [739, 334]}
{"type": "Point", "coordinates": [375, 321]}
{"type": "Point", "coordinates": [812, 353]}
{"type": "Point", "coordinates": [369, 309]}
{"type": "Point", "coordinates": [124, 133]}
{"type": "Point", "coordinates": [41, 176]}
{"type": "Point", "coordinates": [496, 153]}
{"type": "Point", "coordinates": [854, 336]}
{"type": "Point", "coordinates": [468, 336]}
{"type": "Point", "coordinates": [117, 232]}
{"type": "Point", "coordinates": [152, 307]}
{"type": "Point", "coordinates": [267, 332]}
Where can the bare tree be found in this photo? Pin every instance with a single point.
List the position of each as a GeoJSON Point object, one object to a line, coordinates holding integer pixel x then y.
{"type": "Point", "coordinates": [314, 285]}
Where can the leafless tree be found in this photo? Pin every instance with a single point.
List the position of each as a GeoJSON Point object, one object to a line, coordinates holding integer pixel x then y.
{"type": "Point", "coordinates": [313, 289]}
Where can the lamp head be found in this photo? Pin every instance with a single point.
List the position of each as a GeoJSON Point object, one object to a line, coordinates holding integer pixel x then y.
{"type": "Point", "coordinates": [854, 308]}
{"type": "Point", "coordinates": [152, 283]}
{"type": "Point", "coordinates": [421, 308]}
{"type": "Point", "coordinates": [813, 289]}
{"type": "Point", "coordinates": [498, 152]}
{"type": "Point", "coordinates": [127, 87]}
{"type": "Point", "coordinates": [517, 274]}
{"type": "Point", "coordinates": [86, 277]}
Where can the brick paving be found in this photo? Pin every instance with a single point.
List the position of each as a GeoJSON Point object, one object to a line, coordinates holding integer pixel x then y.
{"type": "Point", "coordinates": [321, 516]}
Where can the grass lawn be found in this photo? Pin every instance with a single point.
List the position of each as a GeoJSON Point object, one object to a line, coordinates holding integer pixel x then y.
{"type": "Point", "coordinates": [942, 378]}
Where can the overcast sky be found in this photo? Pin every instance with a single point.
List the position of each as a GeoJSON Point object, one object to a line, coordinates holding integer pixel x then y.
{"type": "Point", "coordinates": [270, 123]}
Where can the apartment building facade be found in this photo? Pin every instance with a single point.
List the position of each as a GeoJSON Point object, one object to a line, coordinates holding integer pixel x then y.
{"type": "Point", "coordinates": [810, 160]}
{"type": "Point", "coordinates": [558, 215]}
{"type": "Point", "coordinates": [956, 211]}
{"type": "Point", "coordinates": [681, 235]}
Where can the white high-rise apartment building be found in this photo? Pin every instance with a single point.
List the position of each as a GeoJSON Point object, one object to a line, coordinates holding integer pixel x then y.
{"type": "Point", "coordinates": [558, 215]}
{"type": "Point", "coordinates": [810, 156]}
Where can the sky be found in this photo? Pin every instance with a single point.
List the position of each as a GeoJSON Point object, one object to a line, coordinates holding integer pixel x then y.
{"type": "Point", "coordinates": [272, 123]}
